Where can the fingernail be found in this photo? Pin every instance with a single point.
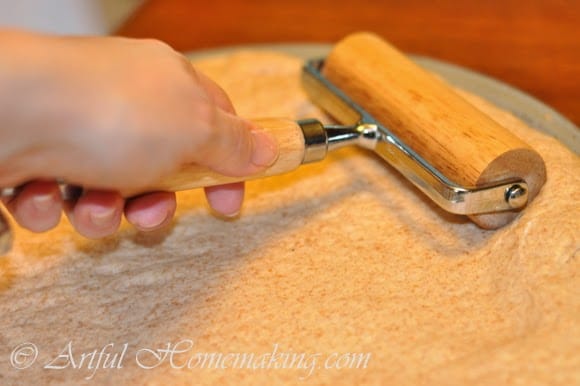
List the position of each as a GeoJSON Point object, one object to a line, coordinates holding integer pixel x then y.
{"type": "Point", "coordinates": [102, 217]}
{"type": "Point", "coordinates": [231, 215]}
{"type": "Point", "coordinates": [44, 202]}
{"type": "Point", "coordinates": [152, 222]}
{"type": "Point", "coordinates": [265, 149]}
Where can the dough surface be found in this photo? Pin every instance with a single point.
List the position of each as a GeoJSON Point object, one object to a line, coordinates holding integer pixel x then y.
{"type": "Point", "coordinates": [342, 256]}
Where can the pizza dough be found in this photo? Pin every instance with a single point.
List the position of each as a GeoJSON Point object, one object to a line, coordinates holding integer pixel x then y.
{"type": "Point", "coordinates": [337, 258]}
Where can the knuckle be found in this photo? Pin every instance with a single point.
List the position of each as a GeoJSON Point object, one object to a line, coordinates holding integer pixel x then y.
{"type": "Point", "coordinates": [200, 140]}
{"type": "Point", "coordinates": [244, 144]}
{"type": "Point", "coordinates": [237, 151]}
{"type": "Point", "coordinates": [207, 114]}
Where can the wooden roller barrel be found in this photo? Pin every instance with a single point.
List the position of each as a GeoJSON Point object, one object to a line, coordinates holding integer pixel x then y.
{"type": "Point", "coordinates": [460, 141]}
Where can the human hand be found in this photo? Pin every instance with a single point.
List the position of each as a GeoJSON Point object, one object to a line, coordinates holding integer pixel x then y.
{"type": "Point", "coordinates": [114, 114]}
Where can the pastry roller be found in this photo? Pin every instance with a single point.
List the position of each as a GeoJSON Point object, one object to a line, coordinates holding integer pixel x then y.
{"type": "Point", "coordinates": [459, 157]}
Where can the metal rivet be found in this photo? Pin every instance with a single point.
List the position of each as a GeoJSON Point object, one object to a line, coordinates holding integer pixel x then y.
{"type": "Point", "coordinates": [516, 196]}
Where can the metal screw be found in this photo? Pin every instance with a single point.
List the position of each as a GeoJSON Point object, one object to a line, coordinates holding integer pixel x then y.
{"type": "Point", "coordinates": [516, 196]}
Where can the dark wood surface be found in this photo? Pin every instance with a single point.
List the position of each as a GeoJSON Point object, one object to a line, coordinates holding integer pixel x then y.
{"type": "Point", "coordinates": [533, 45]}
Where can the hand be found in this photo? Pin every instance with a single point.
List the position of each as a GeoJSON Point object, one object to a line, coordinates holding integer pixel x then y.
{"type": "Point", "coordinates": [113, 114]}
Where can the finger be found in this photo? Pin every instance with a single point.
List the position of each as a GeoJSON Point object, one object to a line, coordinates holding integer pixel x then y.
{"type": "Point", "coordinates": [151, 211]}
{"type": "Point", "coordinates": [233, 146]}
{"type": "Point", "coordinates": [216, 93]}
{"type": "Point", "coordinates": [37, 206]}
{"type": "Point", "coordinates": [226, 199]}
{"type": "Point", "coordinates": [96, 213]}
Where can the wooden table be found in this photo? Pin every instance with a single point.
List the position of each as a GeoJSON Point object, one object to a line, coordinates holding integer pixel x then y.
{"type": "Point", "coordinates": [533, 45]}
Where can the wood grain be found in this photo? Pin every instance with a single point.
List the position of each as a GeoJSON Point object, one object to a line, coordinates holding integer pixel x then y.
{"type": "Point", "coordinates": [533, 45]}
{"type": "Point", "coordinates": [289, 137]}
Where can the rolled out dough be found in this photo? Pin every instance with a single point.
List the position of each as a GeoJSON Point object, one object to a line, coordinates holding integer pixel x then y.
{"type": "Point", "coordinates": [343, 256]}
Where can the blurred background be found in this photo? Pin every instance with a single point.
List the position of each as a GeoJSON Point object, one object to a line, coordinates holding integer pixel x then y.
{"type": "Point", "coordinates": [533, 45]}
{"type": "Point", "coordinates": [66, 17]}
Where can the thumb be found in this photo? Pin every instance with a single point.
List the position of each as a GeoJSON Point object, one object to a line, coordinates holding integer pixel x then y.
{"type": "Point", "coordinates": [234, 146]}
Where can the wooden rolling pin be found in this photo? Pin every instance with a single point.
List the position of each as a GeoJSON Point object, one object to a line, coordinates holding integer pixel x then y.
{"type": "Point", "coordinates": [463, 143]}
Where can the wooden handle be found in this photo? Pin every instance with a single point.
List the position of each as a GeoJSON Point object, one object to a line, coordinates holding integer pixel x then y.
{"type": "Point", "coordinates": [460, 141]}
{"type": "Point", "coordinates": [289, 137]}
